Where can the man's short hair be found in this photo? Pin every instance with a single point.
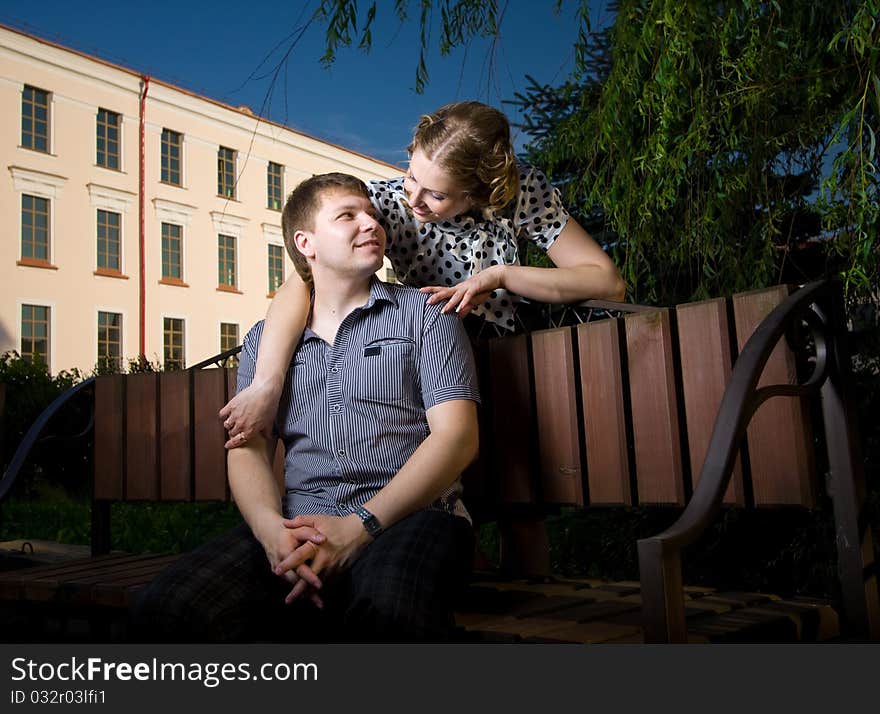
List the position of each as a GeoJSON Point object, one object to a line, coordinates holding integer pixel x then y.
{"type": "Point", "coordinates": [302, 205]}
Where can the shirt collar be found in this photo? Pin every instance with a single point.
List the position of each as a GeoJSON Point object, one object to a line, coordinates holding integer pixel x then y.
{"type": "Point", "coordinates": [379, 292]}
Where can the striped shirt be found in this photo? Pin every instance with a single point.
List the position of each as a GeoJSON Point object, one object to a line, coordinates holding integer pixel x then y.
{"type": "Point", "coordinates": [352, 413]}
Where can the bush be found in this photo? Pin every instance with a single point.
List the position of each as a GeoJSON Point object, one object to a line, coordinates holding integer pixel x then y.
{"type": "Point", "coordinates": [30, 388]}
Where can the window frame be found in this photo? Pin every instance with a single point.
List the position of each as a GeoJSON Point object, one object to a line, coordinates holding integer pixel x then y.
{"type": "Point", "coordinates": [48, 121]}
{"type": "Point", "coordinates": [28, 355]}
{"type": "Point", "coordinates": [167, 277]}
{"type": "Point", "coordinates": [165, 156]}
{"type": "Point", "coordinates": [226, 167]}
{"type": "Point", "coordinates": [274, 186]}
{"type": "Point", "coordinates": [232, 360]}
{"type": "Point", "coordinates": [223, 252]}
{"type": "Point", "coordinates": [105, 158]}
{"type": "Point", "coordinates": [33, 259]}
{"type": "Point", "coordinates": [269, 267]}
{"type": "Point", "coordinates": [169, 362]}
{"type": "Point", "coordinates": [106, 341]}
{"type": "Point", "coordinates": [39, 185]}
{"type": "Point", "coordinates": [107, 269]}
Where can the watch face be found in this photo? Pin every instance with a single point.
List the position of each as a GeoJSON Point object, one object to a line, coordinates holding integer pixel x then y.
{"type": "Point", "coordinates": [371, 523]}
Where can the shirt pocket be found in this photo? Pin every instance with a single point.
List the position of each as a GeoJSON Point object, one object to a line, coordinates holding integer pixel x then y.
{"type": "Point", "coordinates": [386, 370]}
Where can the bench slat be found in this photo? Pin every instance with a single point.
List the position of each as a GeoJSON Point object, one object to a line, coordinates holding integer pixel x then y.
{"type": "Point", "coordinates": [706, 364]}
{"type": "Point", "coordinates": [142, 473]}
{"type": "Point", "coordinates": [175, 430]}
{"type": "Point", "coordinates": [654, 402]}
{"type": "Point", "coordinates": [779, 436]}
{"type": "Point", "coordinates": [555, 396]}
{"type": "Point", "coordinates": [209, 387]}
{"type": "Point", "coordinates": [12, 582]}
{"type": "Point", "coordinates": [74, 585]}
{"type": "Point", "coordinates": [477, 479]}
{"type": "Point", "coordinates": [109, 422]}
{"type": "Point", "coordinates": [77, 587]}
{"type": "Point", "coordinates": [604, 414]}
{"type": "Point", "coordinates": [512, 423]}
{"type": "Point", "coordinates": [120, 591]}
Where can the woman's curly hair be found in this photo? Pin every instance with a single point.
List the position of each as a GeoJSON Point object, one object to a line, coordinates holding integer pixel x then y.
{"type": "Point", "coordinates": [471, 142]}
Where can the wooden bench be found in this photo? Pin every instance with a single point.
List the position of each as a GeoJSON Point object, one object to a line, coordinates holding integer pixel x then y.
{"type": "Point", "coordinates": [657, 407]}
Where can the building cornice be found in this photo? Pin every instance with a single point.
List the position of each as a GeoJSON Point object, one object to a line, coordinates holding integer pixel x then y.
{"type": "Point", "coordinates": [228, 224]}
{"type": "Point", "coordinates": [109, 198]}
{"type": "Point", "coordinates": [173, 212]}
{"type": "Point", "coordinates": [30, 181]}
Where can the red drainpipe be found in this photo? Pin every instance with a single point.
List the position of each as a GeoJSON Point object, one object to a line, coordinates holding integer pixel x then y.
{"type": "Point", "coordinates": [145, 80]}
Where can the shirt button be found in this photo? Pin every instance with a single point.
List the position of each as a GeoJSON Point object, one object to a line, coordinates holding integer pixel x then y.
{"type": "Point", "coordinates": [336, 408]}
{"type": "Point", "coordinates": [341, 452]}
{"type": "Point", "coordinates": [334, 369]}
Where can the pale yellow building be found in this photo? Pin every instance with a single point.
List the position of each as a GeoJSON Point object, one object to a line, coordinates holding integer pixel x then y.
{"type": "Point", "coordinates": [138, 217]}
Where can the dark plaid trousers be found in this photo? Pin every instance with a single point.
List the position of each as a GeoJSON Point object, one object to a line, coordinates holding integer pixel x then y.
{"type": "Point", "coordinates": [401, 588]}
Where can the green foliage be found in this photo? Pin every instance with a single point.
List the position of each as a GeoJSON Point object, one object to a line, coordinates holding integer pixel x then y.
{"type": "Point", "coordinates": [460, 22]}
{"type": "Point", "coordinates": [29, 390]}
{"type": "Point", "coordinates": [47, 512]}
{"type": "Point", "coordinates": [52, 513]}
{"type": "Point", "coordinates": [702, 136]}
{"type": "Point", "coordinates": [141, 364]}
{"type": "Point", "coordinates": [169, 527]}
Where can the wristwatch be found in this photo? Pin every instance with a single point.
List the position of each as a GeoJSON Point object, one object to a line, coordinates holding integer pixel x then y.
{"type": "Point", "coordinates": [371, 523]}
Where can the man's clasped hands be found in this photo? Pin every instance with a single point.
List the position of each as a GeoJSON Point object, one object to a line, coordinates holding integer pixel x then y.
{"type": "Point", "coordinates": [311, 545]}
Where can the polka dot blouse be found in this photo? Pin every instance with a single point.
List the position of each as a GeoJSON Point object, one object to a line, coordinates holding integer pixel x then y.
{"type": "Point", "coordinates": [447, 252]}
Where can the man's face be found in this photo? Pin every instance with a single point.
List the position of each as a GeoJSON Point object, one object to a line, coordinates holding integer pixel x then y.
{"type": "Point", "coordinates": [347, 238]}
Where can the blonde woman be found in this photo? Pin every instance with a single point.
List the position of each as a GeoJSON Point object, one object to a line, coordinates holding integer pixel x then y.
{"type": "Point", "coordinates": [454, 225]}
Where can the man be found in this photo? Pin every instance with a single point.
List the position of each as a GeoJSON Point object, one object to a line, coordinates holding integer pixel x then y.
{"type": "Point", "coordinates": [378, 418]}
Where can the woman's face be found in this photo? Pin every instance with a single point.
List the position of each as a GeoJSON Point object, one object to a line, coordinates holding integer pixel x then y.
{"type": "Point", "coordinates": [432, 194]}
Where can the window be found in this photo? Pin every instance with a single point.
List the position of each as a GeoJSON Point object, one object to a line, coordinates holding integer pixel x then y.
{"type": "Point", "coordinates": [171, 153]}
{"type": "Point", "coordinates": [276, 267]}
{"type": "Point", "coordinates": [226, 172]}
{"type": "Point", "coordinates": [34, 228]}
{"type": "Point", "coordinates": [275, 186]}
{"type": "Point", "coordinates": [35, 333]}
{"type": "Point", "coordinates": [35, 119]}
{"type": "Point", "coordinates": [108, 139]}
{"type": "Point", "coordinates": [226, 276]}
{"type": "Point", "coordinates": [109, 341]}
{"type": "Point", "coordinates": [172, 337]}
{"type": "Point", "coordinates": [228, 341]}
{"type": "Point", "coordinates": [171, 252]}
{"type": "Point", "coordinates": [108, 241]}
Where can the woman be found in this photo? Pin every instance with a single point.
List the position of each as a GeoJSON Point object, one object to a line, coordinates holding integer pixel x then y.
{"type": "Point", "coordinates": [453, 226]}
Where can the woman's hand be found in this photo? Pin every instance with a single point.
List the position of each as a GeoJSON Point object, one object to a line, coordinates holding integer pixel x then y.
{"type": "Point", "coordinates": [251, 411]}
{"type": "Point", "coordinates": [469, 293]}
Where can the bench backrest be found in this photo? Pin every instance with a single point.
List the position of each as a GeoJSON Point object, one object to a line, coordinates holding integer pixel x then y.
{"type": "Point", "coordinates": [620, 411]}
{"type": "Point", "coordinates": [158, 437]}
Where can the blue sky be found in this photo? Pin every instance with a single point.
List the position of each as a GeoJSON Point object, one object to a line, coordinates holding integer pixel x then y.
{"type": "Point", "coordinates": [365, 102]}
